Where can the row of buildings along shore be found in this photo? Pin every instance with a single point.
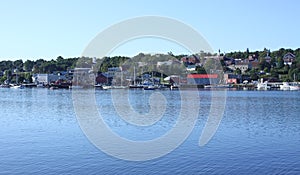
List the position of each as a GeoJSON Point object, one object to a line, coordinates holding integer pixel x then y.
{"type": "Point", "coordinates": [126, 76]}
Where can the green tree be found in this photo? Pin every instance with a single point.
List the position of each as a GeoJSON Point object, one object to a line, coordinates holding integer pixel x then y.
{"type": "Point", "coordinates": [49, 67]}
{"type": "Point", "coordinates": [253, 74]}
{"type": "Point", "coordinates": [3, 78]}
{"type": "Point", "coordinates": [280, 62]}
{"type": "Point", "coordinates": [28, 77]}
{"type": "Point", "coordinates": [294, 74]}
{"type": "Point", "coordinates": [28, 65]}
{"type": "Point", "coordinates": [6, 65]}
{"type": "Point", "coordinates": [274, 73]}
{"type": "Point", "coordinates": [59, 59]}
{"type": "Point", "coordinates": [8, 73]}
{"type": "Point", "coordinates": [286, 69]}
{"type": "Point", "coordinates": [200, 70]}
{"type": "Point", "coordinates": [247, 53]}
{"type": "Point", "coordinates": [273, 62]}
{"type": "Point", "coordinates": [18, 64]}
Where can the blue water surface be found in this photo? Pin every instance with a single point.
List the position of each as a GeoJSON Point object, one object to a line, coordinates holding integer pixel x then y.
{"type": "Point", "coordinates": [259, 134]}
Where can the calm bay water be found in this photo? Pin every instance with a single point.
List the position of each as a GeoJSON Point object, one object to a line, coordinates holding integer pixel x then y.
{"type": "Point", "coordinates": [259, 134]}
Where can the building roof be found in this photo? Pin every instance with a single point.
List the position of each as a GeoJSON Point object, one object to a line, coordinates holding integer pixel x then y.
{"type": "Point", "coordinates": [202, 76]}
{"type": "Point", "coordinates": [289, 56]}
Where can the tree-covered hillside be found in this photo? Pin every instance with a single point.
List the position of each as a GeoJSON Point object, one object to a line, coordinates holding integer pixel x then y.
{"type": "Point", "coordinates": [272, 68]}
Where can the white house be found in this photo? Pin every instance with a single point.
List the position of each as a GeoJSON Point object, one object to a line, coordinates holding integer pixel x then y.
{"type": "Point", "coordinates": [242, 65]}
{"type": "Point", "coordinates": [46, 78]}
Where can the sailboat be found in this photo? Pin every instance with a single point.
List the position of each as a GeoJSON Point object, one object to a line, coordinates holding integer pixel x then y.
{"type": "Point", "coordinates": [16, 86]}
{"type": "Point", "coordinates": [263, 85]}
{"type": "Point", "coordinates": [120, 86]}
{"type": "Point", "coordinates": [134, 85]}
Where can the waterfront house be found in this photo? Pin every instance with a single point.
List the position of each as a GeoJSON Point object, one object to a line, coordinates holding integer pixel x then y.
{"type": "Point", "coordinates": [47, 78]}
{"type": "Point", "coordinates": [84, 76]}
{"type": "Point", "coordinates": [230, 78]}
{"type": "Point", "coordinates": [202, 79]}
{"type": "Point", "coordinates": [104, 78]}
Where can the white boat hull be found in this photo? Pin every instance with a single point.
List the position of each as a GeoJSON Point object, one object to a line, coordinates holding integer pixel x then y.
{"type": "Point", "coordinates": [287, 87]}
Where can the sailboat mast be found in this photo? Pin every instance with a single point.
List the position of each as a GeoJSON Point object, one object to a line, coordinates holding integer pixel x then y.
{"type": "Point", "coordinates": [134, 82]}
{"type": "Point", "coordinates": [121, 78]}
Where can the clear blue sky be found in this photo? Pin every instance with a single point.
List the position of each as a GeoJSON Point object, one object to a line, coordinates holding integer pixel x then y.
{"type": "Point", "coordinates": [35, 29]}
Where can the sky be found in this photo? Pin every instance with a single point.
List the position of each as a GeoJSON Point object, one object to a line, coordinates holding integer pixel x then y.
{"type": "Point", "coordinates": [34, 29]}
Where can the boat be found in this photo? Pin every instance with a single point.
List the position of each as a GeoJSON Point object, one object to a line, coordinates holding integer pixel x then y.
{"type": "Point", "coordinates": [98, 86]}
{"type": "Point", "coordinates": [245, 88]}
{"type": "Point", "coordinates": [119, 87]}
{"type": "Point", "coordinates": [136, 86]}
{"type": "Point", "coordinates": [4, 86]}
{"type": "Point", "coordinates": [263, 85]}
{"type": "Point", "coordinates": [53, 87]}
{"type": "Point", "coordinates": [218, 86]}
{"type": "Point", "coordinates": [105, 87]}
{"type": "Point", "coordinates": [294, 88]}
{"type": "Point", "coordinates": [75, 87]}
{"type": "Point", "coordinates": [163, 87]}
{"type": "Point", "coordinates": [40, 85]}
{"type": "Point", "coordinates": [17, 86]}
{"type": "Point", "coordinates": [62, 85]}
{"type": "Point", "coordinates": [150, 87]}
{"type": "Point", "coordinates": [287, 86]}
{"type": "Point", "coordinates": [174, 87]}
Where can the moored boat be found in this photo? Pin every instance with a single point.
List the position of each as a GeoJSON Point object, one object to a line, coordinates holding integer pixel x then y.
{"type": "Point", "coordinates": [174, 87]}
{"type": "Point", "coordinates": [263, 85]}
{"type": "Point", "coordinates": [17, 86]}
{"type": "Point", "coordinates": [287, 86]}
{"type": "Point", "coordinates": [105, 87]}
{"type": "Point", "coordinates": [218, 86]}
{"type": "Point", "coordinates": [4, 86]}
{"type": "Point", "coordinates": [150, 87]}
{"type": "Point", "coordinates": [119, 87]}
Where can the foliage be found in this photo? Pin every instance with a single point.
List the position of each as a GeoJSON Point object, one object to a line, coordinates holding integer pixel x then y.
{"type": "Point", "coordinates": [276, 67]}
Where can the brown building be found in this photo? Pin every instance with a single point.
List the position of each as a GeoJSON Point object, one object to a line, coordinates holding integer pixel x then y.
{"type": "Point", "coordinates": [289, 58]}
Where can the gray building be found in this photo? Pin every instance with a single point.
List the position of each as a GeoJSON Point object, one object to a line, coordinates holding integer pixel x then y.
{"type": "Point", "coordinates": [46, 78]}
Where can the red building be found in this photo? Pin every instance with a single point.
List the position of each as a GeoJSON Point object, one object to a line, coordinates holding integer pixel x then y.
{"type": "Point", "coordinates": [203, 79]}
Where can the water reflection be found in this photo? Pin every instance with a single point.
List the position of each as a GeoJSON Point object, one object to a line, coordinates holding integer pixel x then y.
{"type": "Point", "coordinates": [259, 134]}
